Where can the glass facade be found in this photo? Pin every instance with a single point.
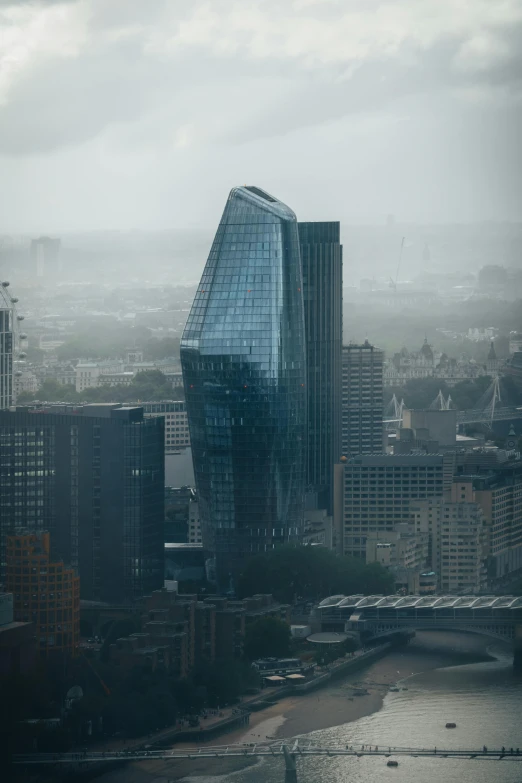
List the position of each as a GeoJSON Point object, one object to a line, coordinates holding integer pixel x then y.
{"type": "Point", "coordinates": [6, 358]}
{"type": "Point", "coordinates": [93, 476]}
{"type": "Point", "coordinates": [322, 260]}
{"type": "Point", "coordinates": [244, 369]}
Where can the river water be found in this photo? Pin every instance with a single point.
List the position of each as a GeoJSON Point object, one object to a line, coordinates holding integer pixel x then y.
{"type": "Point", "coordinates": [483, 699]}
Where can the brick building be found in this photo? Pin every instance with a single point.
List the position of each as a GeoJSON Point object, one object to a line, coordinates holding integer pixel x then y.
{"type": "Point", "coordinates": [179, 631]}
{"type": "Point", "coordinates": [45, 592]}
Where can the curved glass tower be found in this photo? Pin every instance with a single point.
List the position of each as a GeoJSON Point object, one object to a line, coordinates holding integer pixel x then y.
{"type": "Point", "coordinates": [244, 370]}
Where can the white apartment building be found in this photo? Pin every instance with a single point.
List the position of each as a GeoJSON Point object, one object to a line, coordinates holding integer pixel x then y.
{"type": "Point", "coordinates": [114, 372]}
{"type": "Point", "coordinates": [177, 434]}
{"type": "Point", "coordinates": [88, 373]}
{"type": "Point", "coordinates": [23, 380]}
{"type": "Point", "coordinates": [457, 539]}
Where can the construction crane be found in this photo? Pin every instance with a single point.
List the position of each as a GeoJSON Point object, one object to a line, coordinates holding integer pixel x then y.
{"type": "Point", "coordinates": [106, 689]}
{"type": "Point", "coordinates": [393, 283]}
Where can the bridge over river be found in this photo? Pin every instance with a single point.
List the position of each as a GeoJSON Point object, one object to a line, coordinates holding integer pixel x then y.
{"type": "Point", "coordinates": [377, 615]}
{"type": "Point", "coordinates": [290, 751]}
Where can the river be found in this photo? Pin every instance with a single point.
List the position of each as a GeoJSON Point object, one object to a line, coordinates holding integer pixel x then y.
{"type": "Point", "coordinates": [483, 699]}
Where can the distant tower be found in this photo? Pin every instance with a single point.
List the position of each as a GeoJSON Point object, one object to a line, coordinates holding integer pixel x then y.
{"type": "Point", "coordinates": [492, 362]}
{"type": "Point", "coordinates": [426, 255]}
{"type": "Point", "coordinates": [45, 252]}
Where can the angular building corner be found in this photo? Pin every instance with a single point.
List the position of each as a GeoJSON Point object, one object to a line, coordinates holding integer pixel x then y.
{"type": "Point", "coordinates": [244, 368]}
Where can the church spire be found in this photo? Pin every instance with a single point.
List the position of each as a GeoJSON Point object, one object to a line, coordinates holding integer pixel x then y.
{"type": "Point", "coordinates": [492, 356]}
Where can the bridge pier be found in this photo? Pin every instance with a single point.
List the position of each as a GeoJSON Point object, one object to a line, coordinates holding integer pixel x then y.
{"type": "Point", "coordinates": [517, 648]}
{"type": "Point", "coordinates": [290, 767]}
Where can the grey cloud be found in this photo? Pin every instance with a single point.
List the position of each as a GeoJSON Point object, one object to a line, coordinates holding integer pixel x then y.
{"type": "Point", "coordinates": [140, 94]}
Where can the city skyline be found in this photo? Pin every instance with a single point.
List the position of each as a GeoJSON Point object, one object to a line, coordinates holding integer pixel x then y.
{"type": "Point", "coordinates": [253, 446]}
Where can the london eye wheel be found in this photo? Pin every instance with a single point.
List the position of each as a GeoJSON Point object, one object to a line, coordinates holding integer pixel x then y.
{"type": "Point", "coordinates": [19, 337]}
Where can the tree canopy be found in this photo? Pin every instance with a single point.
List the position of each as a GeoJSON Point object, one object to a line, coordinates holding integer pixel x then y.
{"type": "Point", "coordinates": [146, 386]}
{"type": "Point", "coordinates": [311, 573]}
{"type": "Point", "coordinates": [266, 638]}
{"type": "Point", "coordinates": [111, 340]}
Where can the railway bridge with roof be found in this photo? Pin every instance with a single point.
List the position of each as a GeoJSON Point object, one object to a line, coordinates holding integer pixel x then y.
{"type": "Point", "coordinates": [378, 615]}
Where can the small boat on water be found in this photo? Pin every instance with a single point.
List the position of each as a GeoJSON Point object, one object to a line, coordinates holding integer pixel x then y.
{"type": "Point", "coordinates": [394, 690]}
{"type": "Point", "coordinates": [451, 725]}
{"type": "Point", "coordinates": [392, 763]}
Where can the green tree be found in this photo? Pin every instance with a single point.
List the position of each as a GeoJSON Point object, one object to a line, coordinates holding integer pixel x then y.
{"type": "Point", "coordinates": [224, 680]}
{"type": "Point", "coordinates": [267, 637]}
{"type": "Point", "coordinates": [151, 385]}
{"type": "Point", "coordinates": [145, 386]}
{"type": "Point", "coordinates": [165, 348]}
{"type": "Point", "coordinates": [289, 572]}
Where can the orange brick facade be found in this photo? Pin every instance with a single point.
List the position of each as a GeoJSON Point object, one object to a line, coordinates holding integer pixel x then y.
{"type": "Point", "coordinates": [45, 593]}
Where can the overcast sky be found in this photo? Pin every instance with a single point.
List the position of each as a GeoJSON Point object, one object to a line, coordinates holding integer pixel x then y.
{"type": "Point", "coordinates": [144, 113]}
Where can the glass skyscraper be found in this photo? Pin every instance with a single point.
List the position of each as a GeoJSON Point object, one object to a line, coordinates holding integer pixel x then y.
{"type": "Point", "coordinates": [322, 260]}
{"type": "Point", "coordinates": [244, 370]}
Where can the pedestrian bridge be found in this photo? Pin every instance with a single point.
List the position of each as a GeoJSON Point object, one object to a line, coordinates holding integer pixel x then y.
{"type": "Point", "coordinates": [376, 615]}
{"type": "Point", "coordinates": [289, 751]}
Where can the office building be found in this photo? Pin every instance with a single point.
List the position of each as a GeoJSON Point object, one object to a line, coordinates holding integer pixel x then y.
{"type": "Point", "coordinates": [499, 495]}
{"type": "Point", "coordinates": [435, 425]}
{"type": "Point", "coordinates": [178, 501]}
{"type": "Point", "coordinates": [184, 562]}
{"type": "Point", "coordinates": [362, 400]}
{"type": "Point", "coordinates": [456, 527]}
{"type": "Point", "coordinates": [93, 477]}
{"type": "Point", "coordinates": [194, 524]}
{"type": "Point", "coordinates": [45, 592]}
{"type": "Point", "coordinates": [373, 494]}
{"type": "Point", "coordinates": [176, 422]}
{"type": "Point", "coordinates": [244, 368]}
{"type": "Point", "coordinates": [404, 551]}
{"type": "Point", "coordinates": [322, 262]}
{"type": "Point", "coordinates": [6, 356]}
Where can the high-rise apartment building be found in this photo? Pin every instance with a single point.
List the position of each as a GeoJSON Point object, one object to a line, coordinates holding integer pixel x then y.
{"type": "Point", "coordinates": [244, 368]}
{"type": "Point", "coordinates": [456, 527]}
{"type": "Point", "coordinates": [374, 493]}
{"type": "Point", "coordinates": [322, 262]}
{"type": "Point", "coordinates": [6, 356]}
{"type": "Point", "coordinates": [93, 477]}
{"type": "Point", "coordinates": [362, 399]}
{"type": "Point", "coordinates": [45, 592]}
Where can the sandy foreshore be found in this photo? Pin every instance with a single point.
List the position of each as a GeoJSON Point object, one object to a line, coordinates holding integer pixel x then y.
{"type": "Point", "coordinates": [333, 705]}
{"type": "Point", "coordinates": [339, 703]}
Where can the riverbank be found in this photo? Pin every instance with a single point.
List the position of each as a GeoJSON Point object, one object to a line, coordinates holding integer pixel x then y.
{"type": "Point", "coordinates": [333, 705]}
{"type": "Point", "coordinates": [362, 693]}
